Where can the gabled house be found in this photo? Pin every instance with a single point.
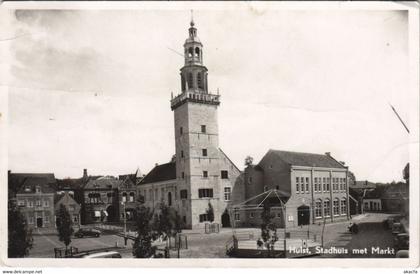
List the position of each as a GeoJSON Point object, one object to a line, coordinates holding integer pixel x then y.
{"type": "Point", "coordinates": [35, 199]}
{"type": "Point", "coordinates": [65, 198]}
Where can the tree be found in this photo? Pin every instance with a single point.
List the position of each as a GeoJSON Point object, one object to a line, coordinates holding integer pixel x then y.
{"type": "Point", "coordinates": [168, 223]}
{"type": "Point", "coordinates": [19, 235]}
{"type": "Point", "coordinates": [142, 247]}
{"type": "Point", "coordinates": [268, 229]}
{"type": "Point", "coordinates": [248, 160]}
{"type": "Point", "coordinates": [210, 213]}
{"type": "Point", "coordinates": [352, 177]}
{"type": "Point", "coordinates": [64, 225]}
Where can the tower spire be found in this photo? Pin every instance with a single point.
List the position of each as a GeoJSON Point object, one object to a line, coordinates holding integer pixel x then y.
{"type": "Point", "coordinates": [192, 18]}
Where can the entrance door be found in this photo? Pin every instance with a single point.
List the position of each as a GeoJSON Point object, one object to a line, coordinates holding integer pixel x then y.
{"type": "Point", "coordinates": [38, 222]}
{"type": "Point", "coordinates": [225, 219]}
{"type": "Point", "coordinates": [303, 215]}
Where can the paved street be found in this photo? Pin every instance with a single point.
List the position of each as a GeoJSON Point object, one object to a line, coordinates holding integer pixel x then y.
{"type": "Point", "coordinates": [200, 245]}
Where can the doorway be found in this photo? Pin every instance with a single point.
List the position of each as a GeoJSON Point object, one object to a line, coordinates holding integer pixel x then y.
{"type": "Point", "coordinates": [225, 219]}
{"type": "Point", "coordinates": [303, 215]}
{"type": "Point", "coordinates": [39, 222]}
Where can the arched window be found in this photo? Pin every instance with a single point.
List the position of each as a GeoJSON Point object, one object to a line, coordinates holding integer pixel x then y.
{"type": "Point", "coordinates": [190, 80]}
{"type": "Point", "coordinates": [190, 52]}
{"type": "Point", "coordinates": [327, 208]}
{"type": "Point", "coordinates": [343, 206]}
{"type": "Point", "coordinates": [197, 52]}
{"type": "Point", "coordinates": [200, 80]}
{"type": "Point", "coordinates": [182, 82]}
{"type": "Point", "coordinates": [336, 206]}
{"type": "Point", "coordinates": [131, 197]}
{"type": "Point", "coordinates": [124, 197]}
{"type": "Point", "coordinates": [318, 208]}
{"type": "Point", "coordinates": [169, 198]}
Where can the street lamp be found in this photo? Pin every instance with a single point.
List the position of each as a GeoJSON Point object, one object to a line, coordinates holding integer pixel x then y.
{"type": "Point", "coordinates": [125, 223]}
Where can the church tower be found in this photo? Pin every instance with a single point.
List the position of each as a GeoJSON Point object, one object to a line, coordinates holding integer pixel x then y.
{"type": "Point", "coordinates": [198, 169]}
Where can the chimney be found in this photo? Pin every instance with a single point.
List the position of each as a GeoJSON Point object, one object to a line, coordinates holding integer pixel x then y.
{"type": "Point", "coordinates": [328, 154]}
{"type": "Point", "coordinates": [366, 183]}
{"type": "Point", "coordinates": [85, 173]}
{"type": "Point", "coordinates": [156, 164]}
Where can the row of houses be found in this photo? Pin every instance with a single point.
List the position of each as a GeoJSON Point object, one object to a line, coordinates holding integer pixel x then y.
{"type": "Point", "coordinates": [376, 197]}
{"type": "Point", "coordinates": [89, 199]}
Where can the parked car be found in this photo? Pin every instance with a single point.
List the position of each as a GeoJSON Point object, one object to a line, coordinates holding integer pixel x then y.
{"type": "Point", "coordinates": [108, 254]}
{"type": "Point", "coordinates": [82, 232]}
{"type": "Point", "coordinates": [397, 228]}
{"type": "Point", "coordinates": [402, 241]}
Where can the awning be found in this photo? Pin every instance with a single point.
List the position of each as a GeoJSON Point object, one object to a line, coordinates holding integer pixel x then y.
{"type": "Point", "coordinates": [97, 213]}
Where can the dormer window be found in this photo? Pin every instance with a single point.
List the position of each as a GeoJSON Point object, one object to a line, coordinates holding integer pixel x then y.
{"type": "Point", "coordinates": [37, 189]}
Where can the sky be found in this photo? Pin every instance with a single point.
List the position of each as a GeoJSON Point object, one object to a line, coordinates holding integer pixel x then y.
{"type": "Point", "coordinates": [91, 88]}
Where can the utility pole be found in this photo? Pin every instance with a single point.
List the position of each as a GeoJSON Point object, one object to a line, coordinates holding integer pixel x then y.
{"type": "Point", "coordinates": [125, 224]}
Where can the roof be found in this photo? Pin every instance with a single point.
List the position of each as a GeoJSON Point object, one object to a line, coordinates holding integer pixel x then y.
{"type": "Point", "coordinates": [160, 173]}
{"type": "Point", "coordinates": [68, 183]}
{"type": "Point", "coordinates": [30, 183]}
{"type": "Point", "coordinates": [103, 182]}
{"type": "Point", "coordinates": [64, 198]}
{"type": "Point", "coordinates": [362, 185]}
{"type": "Point", "coordinates": [16, 179]}
{"type": "Point", "coordinates": [307, 159]}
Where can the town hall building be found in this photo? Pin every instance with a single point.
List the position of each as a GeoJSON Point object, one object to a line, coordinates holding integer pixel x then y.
{"type": "Point", "coordinates": [200, 175]}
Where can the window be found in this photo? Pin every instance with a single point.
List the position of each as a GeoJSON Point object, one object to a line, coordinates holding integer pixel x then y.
{"type": "Point", "coordinates": [31, 220]}
{"type": "Point", "coordinates": [181, 130]}
{"type": "Point", "coordinates": [205, 174]}
{"type": "Point", "coordinates": [183, 194]}
{"type": "Point", "coordinates": [318, 209]}
{"type": "Point", "coordinates": [182, 175]}
{"type": "Point", "coordinates": [328, 184]}
{"type": "Point", "coordinates": [237, 217]}
{"type": "Point", "coordinates": [197, 52]}
{"type": "Point", "coordinates": [203, 128]}
{"type": "Point", "coordinates": [21, 202]}
{"type": "Point", "coordinates": [199, 80]}
{"type": "Point", "coordinates": [336, 207]}
{"type": "Point", "coordinates": [319, 184]}
{"type": "Point", "coordinates": [169, 198]}
{"type": "Point", "coordinates": [190, 52]}
{"type": "Point", "coordinates": [297, 184]}
{"type": "Point", "coordinates": [156, 194]}
{"type": "Point", "coordinates": [224, 174]}
{"type": "Point", "coordinates": [327, 208]}
{"type": "Point", "coordinates": [46, 203]}
{"type": "Point", "coordinates": [190, 80]}
{"type": "Point", "coordinates": [204, 150]}
{"type": "Point", "coordinates": [38, 203]}
{"type": "Point", "coordinates": [150, 194]}
{"type": "Point", "coordinates": [227, 193]}
{"type": "Point", "coordinates": [37, 189]}
{"type": "Point", "coordinates": [131, 199]}
{"type": "Point", "coordinates": [124, 197]}
{"type": "Point", "coordinates": [205, 193]}
{"type": "Point", "coordinates": [307, 184]}
{"type": "Point", "coordinates": [302, 184]}
{"type": "Point", "coordinates": [204, 218]}
{"type": "Point", "coordinates": [278, 215]}
{"type": "Point", "coordinates": [182, 154]}
{"type": "Point", "coordinates": [324, 187]}
{"type": "Point", "coordinates": [316, 185]}
{"type": "Point", "coordinates": [75, 220]}
{"type": "Point", "coordinates": [30, 203]}
{"type": "Point", "coordinates": [343, 207]}
{"type": "Point", "coordinates": [47, 219]}
{"type": "Point", "coordinates": [251, 215]}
